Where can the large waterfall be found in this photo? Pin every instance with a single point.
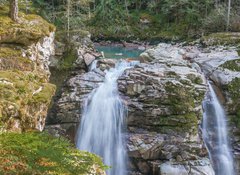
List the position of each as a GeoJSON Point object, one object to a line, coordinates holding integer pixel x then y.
{"type": "Point", "coordinates": [103, 122]}
{"type": "Point", "coordinates": [215, 134]}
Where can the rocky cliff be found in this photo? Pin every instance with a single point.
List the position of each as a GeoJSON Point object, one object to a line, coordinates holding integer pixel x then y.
{"type": "Point", "coordinates": [164, 97]}
{"type": "Point", "coordinates": [25, 50]}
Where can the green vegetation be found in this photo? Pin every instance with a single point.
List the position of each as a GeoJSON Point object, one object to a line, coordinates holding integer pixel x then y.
{"type": "Point", "coordinates": [39, 153]}
{"type": "Point", "coordinates": [234, 90]}
{"type": "Point", "coordinates": [23, 95]}
{"type": "Point", "coordinates": [144, 20]}
{"type": "Point", "coordinates": [68, 60]}
{"type": "Point", "coordinates": [11, 58]}
{"type": "Point", "coordinates": [220, 38]}
{"type": "Point", "coordinates": [30, 28]}
{"type": "Point", "coordinates": [187, 123]}
{"type": "Point", "coordinates": [233, 65]}
{"type": "Point", "coordinates": [23, 85]}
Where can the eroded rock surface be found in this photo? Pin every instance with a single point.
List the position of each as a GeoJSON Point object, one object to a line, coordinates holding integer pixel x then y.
{"type": "Point", "coordinates": [221, 65]}
{"type": "Point", "coordinates": [164, 102]}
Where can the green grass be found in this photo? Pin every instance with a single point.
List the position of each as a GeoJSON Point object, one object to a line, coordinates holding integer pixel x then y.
{"type": "Point", "coordinates": [39, 153]}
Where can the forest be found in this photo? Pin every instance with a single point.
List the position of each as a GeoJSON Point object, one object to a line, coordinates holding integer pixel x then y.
{"type": "Point", "coordinates": [140, 19]}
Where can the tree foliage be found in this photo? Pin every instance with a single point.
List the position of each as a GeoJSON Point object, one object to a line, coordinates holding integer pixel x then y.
{"type": "Point", "coordinates": [129, 17]}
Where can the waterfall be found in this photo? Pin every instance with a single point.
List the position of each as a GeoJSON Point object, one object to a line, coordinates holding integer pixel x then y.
{"type": "Point", "coordinates": [215, 134]}
{"type": "Point", "coordinates": [102, 123]}
{"type": "Point", "coordinates": [93, 65]}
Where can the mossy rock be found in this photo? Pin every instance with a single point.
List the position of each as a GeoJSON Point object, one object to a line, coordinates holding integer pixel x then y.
{"type": "Point", "coordinates": [233, 91]}
{"type": "Point", "coordinates": [30, 28]}
{"type": "Point", "coordinates": [186, 123]}
{"type": "Point", "coordinates": [233, 65]}
{"type": "Point", "coordinates": [180, 98]}
{"type": "Point", "coordinates": [24, 100]}
{"type": "Point", "coordinates": [12, 58]}
{"type": "Point", "coordinates": [39, 153]}
{"type": "Point", "coordinates": [195, 79]}
{"type": "Point", "coordinates": [224, 38]}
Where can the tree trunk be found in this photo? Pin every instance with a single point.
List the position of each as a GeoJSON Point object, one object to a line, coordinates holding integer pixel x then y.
{"type": "Point", "coordinates": [68, 18]}
{"type": "Point", "coordinates": [126, 7]}
{"type": "Point", "coordinates": [228, 15]}
{"type": "Point", "coordinates": [14, 10]}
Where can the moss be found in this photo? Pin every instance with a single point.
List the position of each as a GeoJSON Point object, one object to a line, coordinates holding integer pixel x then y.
{"type": "Point", "coordinates": [39, 153]}
{"type": "Point", "coordinates": [234, 90]}
{"type": "Point", "coordinates": [172, 74]}
{"type": "Point", "coordinates": [238, 51]}
{"type": "Point", "coordinates": [234, 94]}
{"type": "Point", "coordinates": [233, 65]}
{"type": "Point", "coordinates": [30, 29]}
{"type": "Point", "coordinates": [43, 96]}
{"type": "Point", "coordinates": [195, 79]}
{"type": "Point", "coordinates": [187, 123]}
{"type": "Point", "coordinates": [23, 86]}
{"type": "Point", "coordinates": [222, 39]}
{"type": "Point", "coordinates": [180, 98]}
{"type": "Point", "coordinates": [22, 96]}
{"type": "Point", "coordinates": [236, 119]}
{"type": "Point", "coordinates": [68, 59]}
{"type": "Point", "coordinates": [11, 58]}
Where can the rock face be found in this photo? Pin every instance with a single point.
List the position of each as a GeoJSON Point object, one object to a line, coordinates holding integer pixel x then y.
{"type": "Point", "coordinates": [24, 75]}
{"type": "Point", "coordinates": [222, 66]}
{"type": "Point", "coordinates": [41, 52]}
{"type": "Point", "coordinates": [64, 115]}
{"type": "Point", "coordinates": [164, 99]}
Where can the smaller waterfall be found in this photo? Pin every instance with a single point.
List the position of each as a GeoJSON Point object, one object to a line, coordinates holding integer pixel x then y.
{"type": "Point", "coordinates": [215, 134]}
{"type": "Point", "coordinates": [93, 65]}
{"type": "Point", "coordinates": [102, 123]}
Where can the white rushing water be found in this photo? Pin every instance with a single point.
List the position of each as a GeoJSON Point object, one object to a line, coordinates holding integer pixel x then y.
{"type": "Point", "coordinates": [102, 123]}
{"type": "Point", "coordinates": [93, 65]}
{"type": "Point", "coordinates": [215, 134]}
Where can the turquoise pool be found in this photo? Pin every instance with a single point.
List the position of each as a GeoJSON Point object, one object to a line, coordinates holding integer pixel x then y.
{"type": "Point", "coordinates": [117, 52]}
